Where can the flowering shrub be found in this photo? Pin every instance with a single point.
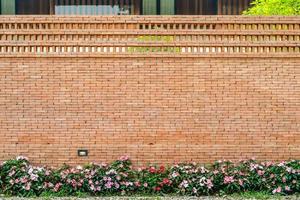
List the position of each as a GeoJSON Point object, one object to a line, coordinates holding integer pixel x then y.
{"type": "Point", "coordinates": [18, 177]}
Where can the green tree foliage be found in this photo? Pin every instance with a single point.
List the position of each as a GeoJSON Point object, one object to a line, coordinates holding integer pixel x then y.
{"type": "Point", "coordinates": [274, 7]}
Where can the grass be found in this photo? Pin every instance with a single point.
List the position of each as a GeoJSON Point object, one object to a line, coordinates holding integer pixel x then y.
{"type": "Point", "coordinates": [261, 196]}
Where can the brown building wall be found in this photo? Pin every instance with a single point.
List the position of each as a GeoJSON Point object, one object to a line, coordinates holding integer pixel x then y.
{"type": "Point", "coordinates": [155, 108]}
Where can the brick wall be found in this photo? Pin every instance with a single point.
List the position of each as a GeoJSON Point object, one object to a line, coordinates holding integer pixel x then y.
{"type": "Point", "coordinates": [158, 107]}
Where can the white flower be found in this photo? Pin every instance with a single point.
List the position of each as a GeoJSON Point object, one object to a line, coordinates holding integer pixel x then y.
{"type": "Point", "coordinates": [34, 177]}
{"type": "Point", "coordinates": [11, 182]}
{"type": "Point", "coordinates": [22, 158]}
{"type": "Point", "coordinates": [184, 184]}
{"type": "Point", "coordinates": [12, 173]}
{"type": "Point", "coordinates": [79, 167]}
{"type": "Point", "coordinates": [30, 170]}
{"type": "Point", "coordinates": [175, 174]}
{"type": "Point", "coordinates": [112, 171]}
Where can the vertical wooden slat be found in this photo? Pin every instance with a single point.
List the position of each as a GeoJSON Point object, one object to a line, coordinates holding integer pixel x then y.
{"type": "Point", "coordinates": [121, 5]}
{"type": "Point", "coordinates": [87, 7]}
{"type": "Point", "coordinates": [201, 8]}
{"type": "Point", "coordinates": [219, 7]}
{"type": "Point", "coordinates": [105, 8]}
{"type": "Point", "coordinates": [52, 7]}
{"type": "Point", "coordinates": [75, 7]}
{"type": "Point", "coordinates": [72, 7]}
{"type": "Point", "coordinates": [94, 4]}
{"type": "Point", "coordinates": [188, 6]}
{"type": "Point", "coordinates": [99, 7]}
{"type": "Point", "coordinates": [126, 3]}
{"type": "Point", "coordinates": [61, 7]}
{"type": "Point", "coordinates": [240, 7]}
{"type": "Point", "coordinates": [205, 9]}
{"type": "Point", "coordinates": [68, 7]}
{"type": "Point", "coordinates": [40, 7]}
{"type": "Point", "coordinates": [62, 3]}
{"type": "Point", "coordinates": [135, 7]}
{"type": "Point", "coordinates": [224, 7]}
{"type": "Point", "coordinates": [116, 3]}
{"type": "Point", "coordinates": [110, 8]}
{"type": "Point", "coordinates": [55, 7]}
{"type": "Point", "coordinates": [80, 9]}
{"type": "Point", "coordinates": [96, 7]}
{"type": "Point", "coordinates": [65, 8]}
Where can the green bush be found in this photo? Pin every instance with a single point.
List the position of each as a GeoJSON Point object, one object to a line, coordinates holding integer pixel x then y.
{"type": "Point", "coordinates": [274, 7]}
{"type": "Point", "coordinates": [19, 178]}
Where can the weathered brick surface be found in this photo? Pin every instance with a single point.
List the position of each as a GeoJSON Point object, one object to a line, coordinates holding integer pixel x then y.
{"type": "Point", "coordinates": [154, 108]}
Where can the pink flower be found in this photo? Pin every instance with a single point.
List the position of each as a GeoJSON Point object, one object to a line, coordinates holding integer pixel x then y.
{"type": "Point", "coordinates": [157, 188]}
{"type": "Point", "coordinates": [166, 181]}
{"type": "Point", "coordinates": [277, 190]}
{"type": "Point", "coordinates": [23, 180]}
{"type": "Point", "coordinates": [137, 184]}
{"type": "Point", "coordinates": [228, 179]}
{"type": "Point", "coordinates": [108, 185]}
{"type": "Point", "coordinates": [152, 170]}
{"type": "Point", "coordinates": [28, 186]}
{"type": "Point", "coordinates": [241, 182]}
{"type": "Point", "coordinates": [162, 169]}
{"type": "Point", "coordinates": [260, 172]}
{"type": "Point", "coordinates": [47, 173]}
{"type": "Point", "coordinates": [92, 187]}
{"type": "Point", "coordinates": [145, 184]}
{"type": "Point", "coordinates": [57, 186]}
{"type": "Point", "coordinates": [124, 158]}
{"type": "Point", "coordinates": [283, 179]}
{"type": "Point", "coordinates": [287, 188]}
{"type": "Point", "coordinates": [117, 185]}
{"type": "Point", "coordinates": [209, 184]}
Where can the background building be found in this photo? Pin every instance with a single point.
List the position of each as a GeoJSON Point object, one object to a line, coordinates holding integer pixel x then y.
{"type": "Point", "coordinates": [124, 7]}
